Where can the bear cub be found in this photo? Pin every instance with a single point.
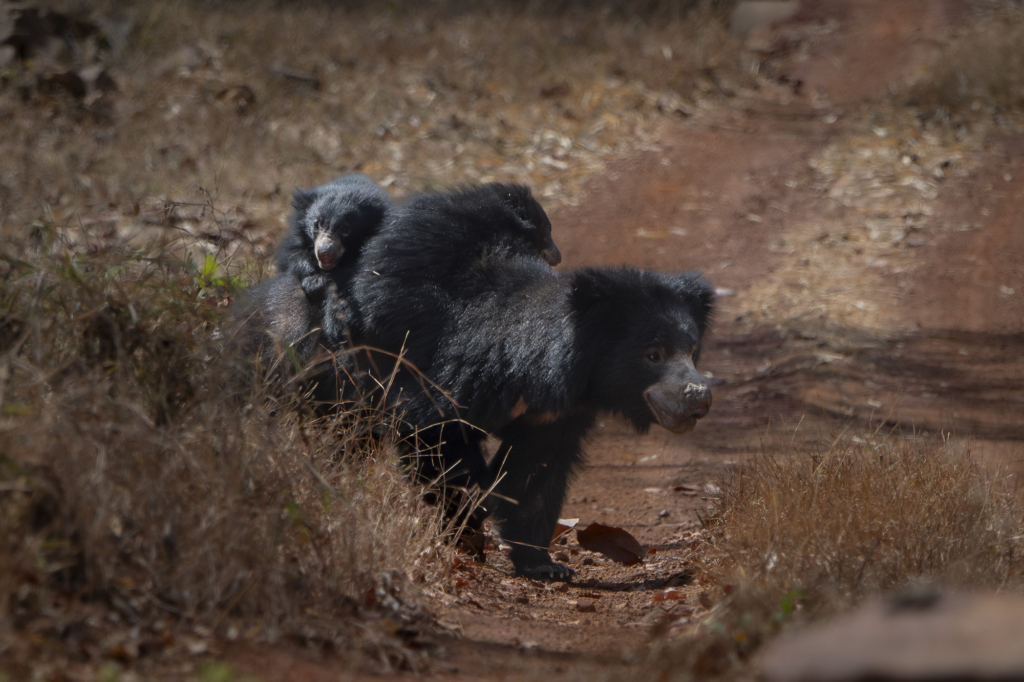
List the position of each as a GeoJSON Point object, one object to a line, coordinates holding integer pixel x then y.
{"type": "Point", "coordinates": [325, 236]}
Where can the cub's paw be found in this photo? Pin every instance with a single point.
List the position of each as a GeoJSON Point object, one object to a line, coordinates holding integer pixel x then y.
{"type": "Point", "coordinates": [549, 571]}
{"type": "Point", "coordinates": [317, 287]}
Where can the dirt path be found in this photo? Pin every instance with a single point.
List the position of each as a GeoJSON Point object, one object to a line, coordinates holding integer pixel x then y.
{"type": "Point", "coordinates": [924, 333]}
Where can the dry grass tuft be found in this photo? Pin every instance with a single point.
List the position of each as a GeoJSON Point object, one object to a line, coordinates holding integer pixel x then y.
{"type": "Point", "coordinates": [144, 471]}
{"type": "Point", "coordinates": [980, 70]}
{"type": "Point", "coordinates": [801, 535]}
{"type": "Point", "coordinates": [253, 99]}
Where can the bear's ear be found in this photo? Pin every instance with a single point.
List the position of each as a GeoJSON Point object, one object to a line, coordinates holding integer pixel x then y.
{"type": "Point", "coordinates": [593, 288]}
{"type": "Point", "coordinates": [521, 201]}
{"type": "Point", "coordinates": [524, 224]}
{"type": "Point", "coordinates": [302, 199]}
{"type": "Point", "coordinates": [697, 289]}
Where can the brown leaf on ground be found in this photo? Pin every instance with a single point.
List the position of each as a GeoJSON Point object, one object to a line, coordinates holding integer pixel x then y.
{"type": "Point", "coordinates": [667, 595]}
{"type": "Point", "coordinates": [586, 606]}
{"type": "Point", "coordinates": [562, 527]}
{"type": "Point", "coordinates": [615, 543]}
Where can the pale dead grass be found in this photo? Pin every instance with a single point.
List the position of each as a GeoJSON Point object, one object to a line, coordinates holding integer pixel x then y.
{"type": "Point", "coordinates": [155, 491]}
{"type": "Point", "coordinates": [417, 95]}
{"type": "Point", "coordinates": [980, 70]}
{"type": "Point", "coordinates": [799, 535]}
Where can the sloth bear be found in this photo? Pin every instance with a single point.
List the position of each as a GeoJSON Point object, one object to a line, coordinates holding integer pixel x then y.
{"type": "Point", "coordinates": [436, 239]}
{"type": "Point", "coordinates": [513, 348]}
{"type": "Point", "coordinates": [442, 242]}
{"type": "Point", "coordinates": [281, 325]}
{"type": "Point", "coordinates": [325, 234]}
{"type": "Point", "coordinates": [306, 306]}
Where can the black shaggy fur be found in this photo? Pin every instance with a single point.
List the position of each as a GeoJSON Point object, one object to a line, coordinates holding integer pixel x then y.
{"type": "Point", "coordinates": [325, 235]}
{"type": "Point", "coordinates": [283, 327]}
{"type": "Point", "coordinates": [444, 242]}
{"type": "Point", "coordinates": [525, 353]}
{"type": "Point", "coordinates": [306, 308]}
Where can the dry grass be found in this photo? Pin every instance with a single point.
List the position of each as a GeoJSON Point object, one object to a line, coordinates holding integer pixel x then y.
{"type": "Point", "coordinates": [980, 70]}
{"type": "Point", "coordinates": [146, 473]}
{"type": "Point", "coordinates": [417, 95]}
{"type": "Point", "coordinates": [803, 535]}
{"type": "Point", "coordinates": [146, 478]}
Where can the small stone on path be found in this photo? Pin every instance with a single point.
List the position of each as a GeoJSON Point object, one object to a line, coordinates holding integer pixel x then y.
{"type": "Point", "coordinates": [958, 636]}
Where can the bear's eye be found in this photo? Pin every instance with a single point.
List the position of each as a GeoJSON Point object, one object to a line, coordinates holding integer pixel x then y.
{"type": "Point", "coordinates": [655, 356]}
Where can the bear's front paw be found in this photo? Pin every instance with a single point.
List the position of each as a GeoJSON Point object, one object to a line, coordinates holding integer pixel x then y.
{"type": "Point", "coordinates": [549, 572]}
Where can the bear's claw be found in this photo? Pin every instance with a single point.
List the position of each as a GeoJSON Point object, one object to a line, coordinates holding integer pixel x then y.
{"type": "Point", "coordinates": [552, 571]}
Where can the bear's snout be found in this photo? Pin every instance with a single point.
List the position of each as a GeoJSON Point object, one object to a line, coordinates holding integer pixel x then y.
{"type": "Point", "coordinates": [327, 251]}
{"type": "Point", "coordinates": [551, 255]}
{"type": "Point", "coordinates": [698, 399]}
{"type": "Point", "coordinates": [679, 399]}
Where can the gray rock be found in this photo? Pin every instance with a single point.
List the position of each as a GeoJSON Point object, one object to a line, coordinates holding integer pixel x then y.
{"type": "Point", "coordinates": [913, 637]}
{"type": "Point", "coordinates": [749, 15]}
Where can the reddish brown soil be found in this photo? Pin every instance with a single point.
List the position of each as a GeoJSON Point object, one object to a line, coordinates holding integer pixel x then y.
{"type": "Point", "coordinates": [689, 206]}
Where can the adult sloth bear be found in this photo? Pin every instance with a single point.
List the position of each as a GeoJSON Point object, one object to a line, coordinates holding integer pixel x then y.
{"type": "Point", "coordinates": [528, 354]}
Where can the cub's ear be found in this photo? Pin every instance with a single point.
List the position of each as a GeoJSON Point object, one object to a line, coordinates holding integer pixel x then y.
{"type": "Point", "coordinates": [523, 205]}
{"type": "Point", "coordinates": [697, 289]}
{"type": "Point", "coordinates": [302, 199]}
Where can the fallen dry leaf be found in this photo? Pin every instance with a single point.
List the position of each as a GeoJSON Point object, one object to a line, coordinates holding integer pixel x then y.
{"type": "Point", "coordinates": [562, 527]}
{"type": "Point", "coordinates": [615, 543]}
{"type": "Point", "coordinates": [667, 595]}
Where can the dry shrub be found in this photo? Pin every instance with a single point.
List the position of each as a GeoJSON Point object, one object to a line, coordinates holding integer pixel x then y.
{"type": "Point", "coordinates": [800, 535]}
{"type": "Point", "coordinates": [252, 99]}
{"type": "Point", "coordinates": [144, 468]}
{"type": "Point", "coordinates": [980, 69]}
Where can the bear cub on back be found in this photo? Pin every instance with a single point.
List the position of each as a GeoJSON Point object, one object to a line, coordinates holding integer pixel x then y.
{"type": "Point", "coordinates": [444, 241]}
{"type": "Point", "coordinates": [306, 306]}
{"type": "Point", "coordinates": [441, 240]}
{"type": "Point", "coordinates": [326, 233]}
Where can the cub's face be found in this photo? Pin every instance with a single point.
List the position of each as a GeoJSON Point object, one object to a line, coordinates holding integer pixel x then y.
{"type": "Point", "coordinates": [335, 224]}
{"type": "Point", "coordinates": [327, 232]}
{"type": "Point", "coordinates": [540, 234]}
